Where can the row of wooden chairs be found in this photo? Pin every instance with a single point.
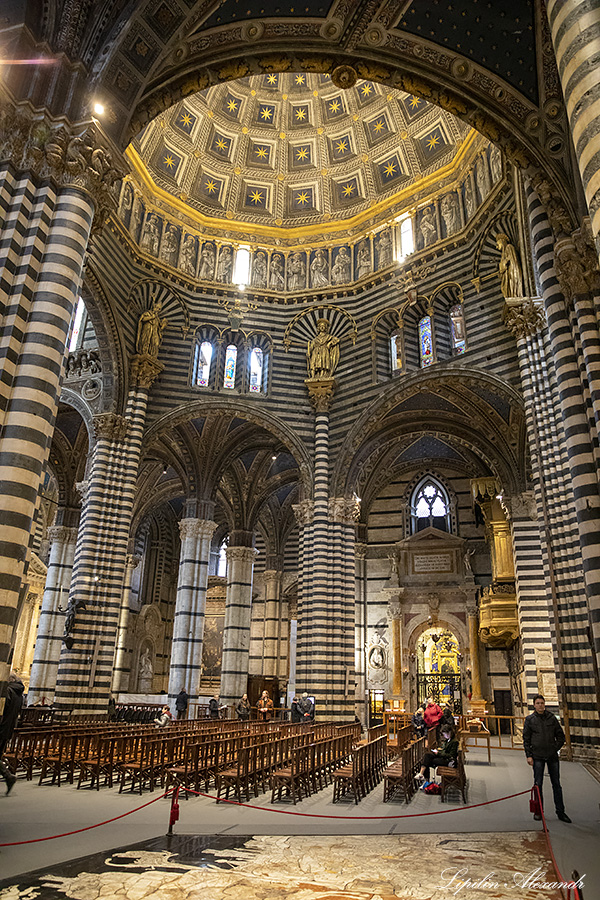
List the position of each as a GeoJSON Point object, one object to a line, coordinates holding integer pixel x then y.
{"type": "Point", "coordinates": [364, 772]}
{"type": "Point", "coordinates": [399, 777]}
{"type": "Point", "coordinates": [311, 768]}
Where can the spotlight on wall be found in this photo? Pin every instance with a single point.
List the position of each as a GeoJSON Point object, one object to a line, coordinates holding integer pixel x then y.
{"type": "Point", "coordinates": [274, 457]}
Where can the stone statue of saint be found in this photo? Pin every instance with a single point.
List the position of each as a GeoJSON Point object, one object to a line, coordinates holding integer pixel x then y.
{"type": "Point", "coordinates": [136, 218]}
{"type": "Point", "coordinates": [225, 265]}
{"type": "Point", "coordinates": [340, 273]}
{"type": "Point", "coordinates": [150, 330]}
{"type": "Point", "coordinates": [483, 179]}
{"type": "Point", "coordinates": [169, 245]}
{"type": "Point", "coordinates": [385, 249]}
{"type": "Point", "coordinates": [207, 262]}
{"type": "Point", "coordinates": [450, 213]}
{"type": "Point", "coordinates": [146, 671]}
{"type": "Point", "coordinates": [296, 272]}
{"type": "Point", "coordinates": [469, 197]}
{"type": "Point", "coordinates": [496, 163]}
{"type": "Point", "coordinates": [188, 252]}
{"type": "Point", "coordinates": [323, 352]}
{"type": "Point", "coordinates": [363, 260]}
{"type": "Point", "coordinates": [276, 281]}
{"type": "Point", "coordinates": [509, 269]}
{"type": "Point", "coordinates": [259, 270]}
{"type": "Point", "coordinates": [428, 227]}
{"type": "Point", "coordinates": [319, 275]}
{"type": "Point", "coordinates": [467, 562]}
{"type": "Point", "coordinates": [151, 235]}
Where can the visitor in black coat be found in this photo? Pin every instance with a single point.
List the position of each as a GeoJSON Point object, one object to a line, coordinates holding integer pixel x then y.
{"type": "Point", "coordinates": [181, 703]}
{"type": "Point", "coordinates": [8, 723]}
{"type": "Point", "coordinates": [542, 739]}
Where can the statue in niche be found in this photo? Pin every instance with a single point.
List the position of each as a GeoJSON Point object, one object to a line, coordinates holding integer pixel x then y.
{"type": "Point", "coordinates": [136, 218]}
{"type": "Point", "coordinates": [427, 227]}
{"type": "Point", "coordinates": [319, 270]}
{"type": "Point", "coordinates": [509, 269]}
{"type": "Point", "coordinates": [450, 213]}
{"type": "Point", "coordinates": [393, 559]}
{"type": "Point", "coordinates": [146, 672]}
{"type": "Point", "coordinates": [169, 245]}
{"type": "Point", "coordinates": [225, 265]}
{"type": "Point", "coordinates": [483, 179]}
{"type": "Point", "coordinates": [276, 282]}
{"type": "Point", "coordinates": [296, 272]}
{"type": "Point", "coordinates": [207, 262]}
{"type": "Point", "coordinates": [496, 163]}
{"type": "Point", "coordinates": [363, 260]}
{"type": "Point", "coordinates": [385, 249]}
{"type": "Point", "coordinates": [467, 562]}
{"type": "Point", "coordinates": [150, 330]}
{"type": "Point", "coordinates": [323, 352]}
{"type": "Point", "coordinates": [126, 203]}
{"type": "Point", "coordinates": [470, 203]}
{"type": "Point", "coordinates": [151, 235]}
{"type": "Point", "coordinates": [188, 252]}
{"type": "Point", "coordinates": [340, 272]}
{"type": "Point", "coordinates": [259, 270]}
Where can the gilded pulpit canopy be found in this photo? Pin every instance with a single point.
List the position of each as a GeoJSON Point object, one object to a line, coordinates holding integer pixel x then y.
{"type": "Point", "coordinates": [323, 352]}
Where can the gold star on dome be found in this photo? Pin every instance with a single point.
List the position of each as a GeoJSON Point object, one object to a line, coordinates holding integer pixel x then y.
{"type": "Point", "coordinates": [221, 144]}
{"type": "Point", "coordinates": [186, 120]}
{"type": "Point", "coordinates": [261, 152]}
{"type": "Point", "coordinates": [256, 196]}
{"type": "Point", "coordinates": [300, 114]}
{"type": "Point", "coordinates": [210, 186]}
{"type": "Point", "coordinates": [379, 126]}
{"type": "Point", "coordinates": [390, 169]}
{"type": "Point", "coordinates": [232, 105]}
{"type": "Point", "coordinates": [302, 153]}
{"type": "Point", "coordinates": [266, 113]}
{"type": "Point", "coordinates": [433, 142]}
{"type": "Point", "coordinates": [299, 79]}
{"type": "Point", "coordinates": [348, 189]}
{"type": "Point", "coordinates": [366, 89]}
{"type": "Point", "coordinates": [341, 146]}
{"type": "Point", "coordinates": [302, 198]}
{"type": "Point", "coordinates": [414, 102]}
{"type": "Point", "coordinates": [169, 161]}
{"type": "Point", "coordinates": [271, 79]}
{"type": "Point", "coordinates": [334, 106]}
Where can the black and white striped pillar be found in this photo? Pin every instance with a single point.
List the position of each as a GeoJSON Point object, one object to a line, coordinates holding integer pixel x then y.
{"type": "Point", "coordinates": [272, 587]}
{"type": "Point", "coordinates": [188, 624]}
{"type": "Point", "coordinates": [238, 611]}
{"type": "Point", "coordinates": [122, 664]}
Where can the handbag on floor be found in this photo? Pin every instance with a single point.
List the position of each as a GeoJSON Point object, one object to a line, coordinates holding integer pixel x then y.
{"type": "Point", "coordinates": [534, 802]}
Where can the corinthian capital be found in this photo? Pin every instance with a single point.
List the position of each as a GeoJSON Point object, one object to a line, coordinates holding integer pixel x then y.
{"type": "Point", "coordinates": [144, 370]}
{"type": "Point", "coordinates": [320, 391]}
{"type": "Point", "coordinates": [303, 512]}
{"type": "Point", "coordinates": [110, 427]}
{"type": "Point", "coordinates": [524, 317]}
{"type": "Point", "coordinates": [344, 510]}
{"type": "Point", "coordinates": [194, 528]}
{"type": "Point", "coordinates": [243, 554]}
{"type": "Point", "coordinates": [62, 533]}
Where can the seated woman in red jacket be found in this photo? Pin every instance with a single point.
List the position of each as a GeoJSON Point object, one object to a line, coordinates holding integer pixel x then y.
{"type": "Point", "coordinates": [433, 713]}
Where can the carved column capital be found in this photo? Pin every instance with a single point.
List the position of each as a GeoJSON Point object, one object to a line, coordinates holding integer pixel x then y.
{"type": "Point", "coordinates": [110, 427]}
{"type": "Point", "coordinates": [320, 392]}
{"type": "Point", "coordinates": [344, 510]}
{"type": "Point", "coordinates": [524, 317]}
{"type": "Point", "coordinates": [192, 528]}
{"type": "Point", "coordinates": [144, 370]}
{"type": "Point", "coordinates": [62, 533]}
{"type": "Point", "coordinates": [303, 512]}
{"type": "Point", "coordinates": [82, 488]}
{"type": "Point", "coordinates": [132, 560]}
{"type": "Point", "coordinates": [242, 554]}
{"type": "Point", "coordinates": [360, 551]}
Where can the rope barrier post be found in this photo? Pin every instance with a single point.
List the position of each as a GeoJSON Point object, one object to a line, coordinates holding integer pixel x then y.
{"type": "Point", "coordinates": [174, 815]}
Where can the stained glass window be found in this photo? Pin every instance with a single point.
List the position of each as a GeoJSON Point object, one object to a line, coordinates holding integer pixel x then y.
{"type": "Point", "coordinates": [230, 362]}
{"type": "Point", "coordinates": [426, 342]}
{"type": "Point", "coordinates": [222, 562]}
{"type": "Point", "coordinates": [430, 506]}
{"type": "Point", "coordinates": [457, 323]}
{"type": "Point", "coordinates": [203, 360]}
{"type": "Point", "coordinates": [76, 332]}
{"type": "Point", "coordinates": [396, 352]}
{"type": "Point", "coordinates": [256, 369]}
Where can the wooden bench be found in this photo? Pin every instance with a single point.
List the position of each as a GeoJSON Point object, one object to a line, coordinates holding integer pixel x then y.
{"type": "Point", "coordinates": [399, 777]}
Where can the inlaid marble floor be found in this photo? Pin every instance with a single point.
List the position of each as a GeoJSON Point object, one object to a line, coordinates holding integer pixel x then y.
{"type": "Point", "coordinates": [350, 867]}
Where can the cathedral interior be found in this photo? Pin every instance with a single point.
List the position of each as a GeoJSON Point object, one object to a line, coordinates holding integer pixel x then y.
{"type": "Point", "coordinates": [300, 346]}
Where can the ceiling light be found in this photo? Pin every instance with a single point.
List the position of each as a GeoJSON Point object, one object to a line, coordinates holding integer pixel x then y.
{"type": "Point", "coordinates": [99, 109]}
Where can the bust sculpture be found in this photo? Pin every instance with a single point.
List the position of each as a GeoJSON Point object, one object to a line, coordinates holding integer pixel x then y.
{"type": "Point", "coordinates": [323, 352]}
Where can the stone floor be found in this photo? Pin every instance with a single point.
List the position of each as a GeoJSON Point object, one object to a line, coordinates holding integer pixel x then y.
{"type": "Point", "coordinates": [304, 867]}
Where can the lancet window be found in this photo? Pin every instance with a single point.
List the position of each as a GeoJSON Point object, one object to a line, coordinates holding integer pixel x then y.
{"type": "Point", "coordinates": [430, 506]}
{"type": "Point", "coordinates": [457, 329]}
{"type": "Point", "coordinates": [426, 351]}
{"type": "Point", "coordinates": [202, 363]}
{"type": "Point", "coordinates": [230, 367]}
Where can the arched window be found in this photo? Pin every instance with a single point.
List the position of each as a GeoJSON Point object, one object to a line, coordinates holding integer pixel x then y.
{"type": "Point", "coordinates": [77, 326]}
{"type": "Point", "coordinates": [230, 364]}
{"type": "Point", "coordinates": [396, 352]}
{"type": "Point", "coordinates": [426, 355]}
{"type": "Point", "coordinates": [204, 354]}
{"type": "Point", "coordinates": [256, 370]}
{"type": "Point", "coordinates": [241, 269]}
{"type": "Point", "coordinates": [430, 506]}
{"type": "Point", "coordinates": [222, 563]}
{"type": "Point", "coordinates": [457, 326]}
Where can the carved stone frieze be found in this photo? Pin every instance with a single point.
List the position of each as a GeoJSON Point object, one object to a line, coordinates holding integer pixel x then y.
{"type": "Point", "coordinates": [193, 528]}
{"type": "Point", "coordinates": [71, 156]}
{"type": "Point", "coordinates": [111, 427]}
{"type": "Point", "coordinates": [144, 370]}
{"type": "Point", "coordinates": [522, 506]}
{"type": "Point", "coordinates": [83, 363]}
{"type": "Point", "coordinates": [524, 318]}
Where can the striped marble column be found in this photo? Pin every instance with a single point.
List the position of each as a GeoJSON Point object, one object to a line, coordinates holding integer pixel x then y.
{"type": "Point", "coordinates": [52, 616]}
{"type": "Point", "coordinates": [303, 512]}
{"type": "Point", "coordinates": [188, 624]}
{"type": "Point", "coordinates": [575, 27]}
{"type": "Point", "coordinates": [87, 657]}
{"type": "Point", "coordinates": [238, 610]}
{"type": "Point", "coordinates": [42, 246]}
{"type": "Point", "coordinates": [272, 582]}
{"type": "Point", "coordinates": [123, 652]}
{"type": "Point", "coordinates": [360, 615]}
{"type": "Point", "coordinates": [283, 649]}
{"type": "Point", "coordinates": [574, 614]}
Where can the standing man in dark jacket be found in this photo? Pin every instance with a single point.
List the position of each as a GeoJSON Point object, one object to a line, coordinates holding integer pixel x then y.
{"type": "Point", "coordinates": [181, 703]}
{"type": "Point", "coordinates": [12, 708]}
{"type": "Point", "coordinates": [542, 739]}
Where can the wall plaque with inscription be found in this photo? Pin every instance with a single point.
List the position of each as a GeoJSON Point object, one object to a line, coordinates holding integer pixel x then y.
{"type": "Point", "coordinates": [426, 563]}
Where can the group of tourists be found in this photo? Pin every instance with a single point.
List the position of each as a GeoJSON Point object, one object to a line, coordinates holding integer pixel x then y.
{"type": "Point", "coordinates": [303, 708]}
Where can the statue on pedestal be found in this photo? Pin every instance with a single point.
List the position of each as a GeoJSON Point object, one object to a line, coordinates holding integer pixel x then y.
{"type": "Point", "coordinates": [509, 269]}
{"type": "Point", "coordinates": [146, 672]}
{"type": "Point", "coordinates": [150, 331]}
{"type": "Point", "coordinates": [323, 352]}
